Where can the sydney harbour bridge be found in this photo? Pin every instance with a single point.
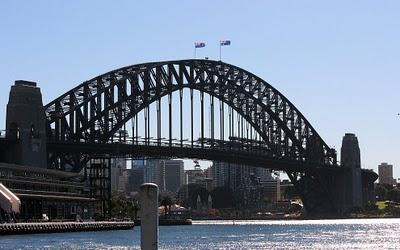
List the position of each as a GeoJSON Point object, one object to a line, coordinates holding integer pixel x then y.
{"type": "Point", "coordinates": [200, 109]}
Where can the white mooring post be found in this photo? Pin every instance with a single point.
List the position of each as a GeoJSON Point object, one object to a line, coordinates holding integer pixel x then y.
{"type": "Point", "coordinates": [149, 216]}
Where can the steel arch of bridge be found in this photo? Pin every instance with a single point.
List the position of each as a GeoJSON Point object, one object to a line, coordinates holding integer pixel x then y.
{"type": "Point", "coordinates": [96, 109]}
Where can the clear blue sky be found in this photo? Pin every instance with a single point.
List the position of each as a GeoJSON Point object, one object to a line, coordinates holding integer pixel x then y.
{"type": "Point", "coordinates": [337, 61]}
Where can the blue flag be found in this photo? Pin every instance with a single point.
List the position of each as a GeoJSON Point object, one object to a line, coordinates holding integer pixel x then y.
{"type": "Point", "coordinates": [225, 42]}
{"type": "Point", "coordinates": [199, 44]}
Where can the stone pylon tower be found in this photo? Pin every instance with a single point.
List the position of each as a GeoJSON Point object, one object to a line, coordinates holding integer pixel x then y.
{"type": "Point", "coordinates": [26, 123]}
{"type": "Point", "coordinates": [352, 182]}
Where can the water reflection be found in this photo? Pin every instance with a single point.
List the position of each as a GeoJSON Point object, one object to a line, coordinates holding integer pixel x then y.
{"type": "Point", "coordinates": [311, 234]}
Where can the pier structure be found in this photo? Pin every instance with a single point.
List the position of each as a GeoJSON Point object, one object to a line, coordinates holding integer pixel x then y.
{"type": "Point", "coordinates": [62, 227]}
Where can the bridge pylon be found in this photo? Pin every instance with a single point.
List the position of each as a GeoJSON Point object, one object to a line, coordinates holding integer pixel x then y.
{"type": "Point", "coordinates": [26, 123]}
{"type": "Point", "coordinates": [329, 192]}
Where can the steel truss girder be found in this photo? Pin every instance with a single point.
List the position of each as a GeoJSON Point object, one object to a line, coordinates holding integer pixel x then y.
{"type": "Point", "coordinates": [96, 109]}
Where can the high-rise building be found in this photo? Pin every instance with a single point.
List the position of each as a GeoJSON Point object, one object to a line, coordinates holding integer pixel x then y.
{"type": "Point", "coordinates": [193, 175]}
{"type": "Point", "coordinates": [198, 176]}
{"type": "Point", "coordinates": [123, 180]}
{"type": "Point", "coordinates": [169, 175]}
{"type": "Point", "coordinates": [220, 174]}
{"type": "Point", "coordinates": [232, 176]}
{"type": "Point", "coordinates": [385, 172]}
{"type": "Point", "coordinates": [136, 178]}
{"type": "Point", "coordinates": [174, 175]}
{"type": "Point", "coordinates": [117, 166]}
{"type": "Point", "coordinates": [253, 187]}
{"type": "Point", "coordinates": [154, 173]}
{"type": "Point", "coordinates": [264, 174]}
{"type": "Point", "coordinates": [115, 174]}
{"type": "Point", "coordinates": [138, 163]}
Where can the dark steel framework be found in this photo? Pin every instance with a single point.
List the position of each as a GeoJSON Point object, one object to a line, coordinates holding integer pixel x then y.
{"type": "Point", "coordinates": [96, 110]}
{"type": "Point", "coordinates": [269, 131]}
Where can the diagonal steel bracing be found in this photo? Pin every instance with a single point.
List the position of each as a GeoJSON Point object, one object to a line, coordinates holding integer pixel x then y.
{"type": "Point", "coordinates": [94, 111]}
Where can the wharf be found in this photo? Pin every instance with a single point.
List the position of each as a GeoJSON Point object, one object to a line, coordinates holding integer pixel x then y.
{"type": "Point", "coordinates": [61, 227]}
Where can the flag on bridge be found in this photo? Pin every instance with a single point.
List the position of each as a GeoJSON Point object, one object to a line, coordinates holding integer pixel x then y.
{"type": "Point", "coordinates": [224, 42]}
{"type": "Point", "coordinates": [199, 44]}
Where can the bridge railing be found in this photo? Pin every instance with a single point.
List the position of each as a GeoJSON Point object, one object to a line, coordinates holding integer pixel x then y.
{"type": "Point", "coordinates": [255, 147]}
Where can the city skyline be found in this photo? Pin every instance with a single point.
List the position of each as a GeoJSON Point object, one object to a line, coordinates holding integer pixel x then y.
{"type": "Point", "coordinates": [343, 80]}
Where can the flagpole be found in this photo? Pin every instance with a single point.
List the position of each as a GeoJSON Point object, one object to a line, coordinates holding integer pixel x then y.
{"type": "Point", "coordinates": [220, 48]}
{"type": "Point", "coordinates": [195, 52]}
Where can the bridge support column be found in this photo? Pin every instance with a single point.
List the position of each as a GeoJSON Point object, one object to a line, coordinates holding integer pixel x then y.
{"type": "Point", "coordinates": [335, 192]}
{"type": "Point", "coordinates": [350, 181]}
{"type": "Point", "coordinates": [317, 191]}
{"type": "Point", "coordinates": [26, 123]}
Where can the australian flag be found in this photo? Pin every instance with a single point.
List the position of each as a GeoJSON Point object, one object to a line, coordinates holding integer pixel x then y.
{"type": "Point", "coordinates": [199, 44]}
{"type": "Point", "coordinates": [225, 42]}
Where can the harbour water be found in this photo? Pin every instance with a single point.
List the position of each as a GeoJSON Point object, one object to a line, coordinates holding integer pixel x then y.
{"type": "Point", "coordinates": [305, 234]}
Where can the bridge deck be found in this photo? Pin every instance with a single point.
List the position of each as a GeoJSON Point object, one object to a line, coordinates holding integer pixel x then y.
{"type": "Point", "coordinates": [230, 155]}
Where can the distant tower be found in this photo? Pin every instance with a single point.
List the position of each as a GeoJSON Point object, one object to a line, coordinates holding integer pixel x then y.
{"type": "Point", "coordinates": [26, 122]}
{"type": "Point", "coordinates": [386, 174]}
{"type": "Point", "coordinates": [350, 160]}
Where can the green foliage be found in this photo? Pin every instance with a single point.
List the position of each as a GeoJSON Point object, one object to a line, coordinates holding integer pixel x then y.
{"type": "Point", "coordinates": [393, 195]}
{"type": "Point", "coordinates": [122, 207]}
{"type": "Point", "coordinates": [387, 192]}
{"type": "Point", "coordinates": [381, 205]}
{"type": "Point", "coordinates": [166, 200]}
{"type": "Point", "coordinates": [371, 206]}
{"type": "Point", "coordinates": [393, 209]}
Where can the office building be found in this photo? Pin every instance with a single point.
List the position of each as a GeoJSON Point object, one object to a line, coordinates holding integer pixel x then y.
{"type": "Point", "coordinates": [167, 174]}
{"type": "Point", "coordinates": [135, 179]}
{"type": "Point", "coordinates": [174, 175]}
{"type": "Point", "coordinates": [385, 172]}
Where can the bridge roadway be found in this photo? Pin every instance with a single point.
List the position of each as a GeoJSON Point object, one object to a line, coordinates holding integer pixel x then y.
{"type": "Point", "coordinates": [224, 151]}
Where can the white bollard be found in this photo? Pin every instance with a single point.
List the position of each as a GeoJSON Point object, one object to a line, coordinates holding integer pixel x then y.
{"type": "Point", "coordinates": [149, 216]}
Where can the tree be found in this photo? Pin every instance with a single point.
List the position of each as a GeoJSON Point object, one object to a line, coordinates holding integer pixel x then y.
{"type": "Point", "coordinates": [166, 201]}
{"type": "Point", "coordinates": [393, 195]}
{"type": "Point", "coordinates": [136, 208]}
{"type": "Point", "coordinates": [122, 207]}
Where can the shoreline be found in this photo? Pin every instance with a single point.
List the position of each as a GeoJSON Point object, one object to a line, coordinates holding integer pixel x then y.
{"type": "Point", "coordinates": [291, 218]}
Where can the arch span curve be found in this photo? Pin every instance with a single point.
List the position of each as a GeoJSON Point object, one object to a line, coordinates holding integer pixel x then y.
{"type": "Point", "coordinates": [96, 109]}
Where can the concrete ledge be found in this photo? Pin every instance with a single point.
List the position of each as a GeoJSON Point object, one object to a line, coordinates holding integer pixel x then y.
{"type": "Point", "coordinates": [61, 227]}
